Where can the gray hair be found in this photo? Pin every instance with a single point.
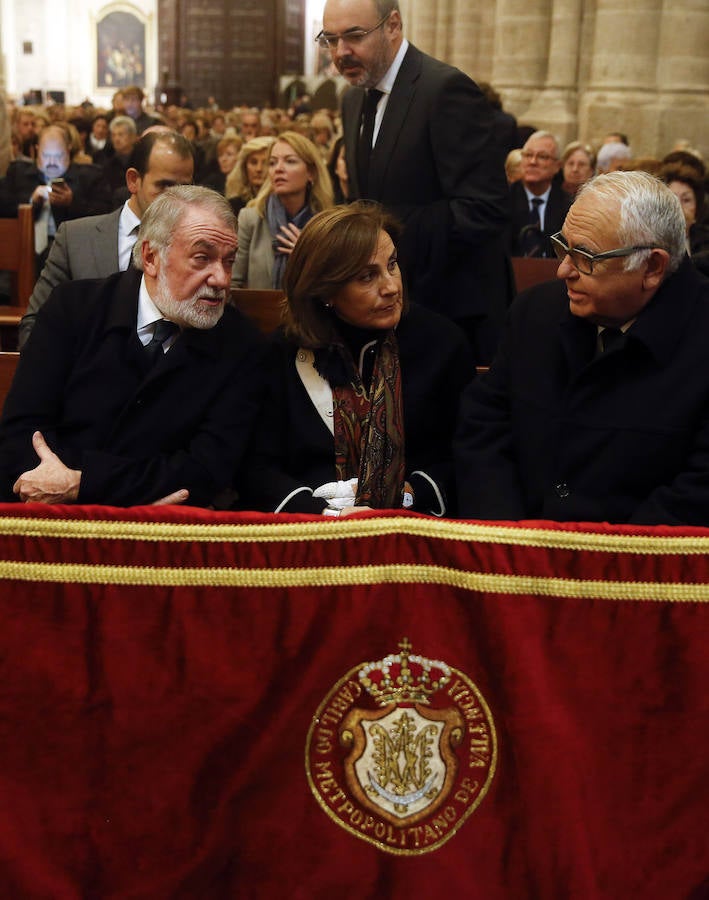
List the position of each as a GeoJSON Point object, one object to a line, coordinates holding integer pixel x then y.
{"type": "Point", "coordinates": [611, 151]}
{"type": "Point", "coordinates": [545, 134]}
{"type": "Point", "coordinates": [649, 214]}
{"type": "Point", "coordinates": [122, 122]}
{"type": "Point", "coordinates": [165, 213]}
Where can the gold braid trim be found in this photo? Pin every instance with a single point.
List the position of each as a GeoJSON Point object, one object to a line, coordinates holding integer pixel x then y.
{"type": "Point", "coordinates": [78, 573]}
{"type": "Point", "coordinates": [354, 527]}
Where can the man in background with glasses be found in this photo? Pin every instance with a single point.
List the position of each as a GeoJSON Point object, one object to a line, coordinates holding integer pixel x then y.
{"type": "Point", "coordinates": [539, 205]}
{"type": "Point", "coordinates": [597, 405]}
{"type": "Point", "coordinates": [419, 139]}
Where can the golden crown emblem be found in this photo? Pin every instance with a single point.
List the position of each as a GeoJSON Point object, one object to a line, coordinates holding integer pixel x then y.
{"type": "Point", "coordinates": [403, 678]}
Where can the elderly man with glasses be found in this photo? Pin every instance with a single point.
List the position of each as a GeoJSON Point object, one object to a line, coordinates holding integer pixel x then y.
{"type": "Point", "coordinates": [538, 202]}
{"type": "Point", "coordinates": [419, 139]}
{"type": "Point", "coordinates": [597, 405]}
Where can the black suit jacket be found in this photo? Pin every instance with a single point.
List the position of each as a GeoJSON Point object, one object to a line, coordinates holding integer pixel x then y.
{"type": "Point", "coordinates": [556, 432]}
{"type": "Point", "coordinates": [557, 206]}
{"type": "Point", "coordinates": [436, 166]}
{"type": "Point", "coordinates": [91, 194]}
{"type": "Point", "coordinates": [135, 436]}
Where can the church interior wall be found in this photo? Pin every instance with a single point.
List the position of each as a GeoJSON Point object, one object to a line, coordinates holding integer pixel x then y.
{"type": "Point", "coordinates": [578, 67]}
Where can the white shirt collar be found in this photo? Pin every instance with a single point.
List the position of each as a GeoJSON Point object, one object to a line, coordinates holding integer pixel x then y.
{"type": "Point", "coordinates": [148, 315]}
{"type": "Point", "coordinates": [530, 196]}
{"type": "Point", "coordinates": [127, 221]}
{"type": "Point", "coordinates": [386, 82]}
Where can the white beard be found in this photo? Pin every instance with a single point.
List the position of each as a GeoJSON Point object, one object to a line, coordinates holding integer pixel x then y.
{"type": "Point", "coordinates": [190, 312]}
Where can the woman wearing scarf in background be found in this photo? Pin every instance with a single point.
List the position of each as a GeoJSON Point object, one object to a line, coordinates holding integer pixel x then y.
{"type": "Point", "coordinates": [298, 186]}
{"type": "Point", "coordinates": [363, 398]}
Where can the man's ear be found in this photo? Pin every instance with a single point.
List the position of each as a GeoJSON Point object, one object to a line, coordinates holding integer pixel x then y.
{"type": "Point", "coordinates": [151, 260]}
{"type": "Point", "coordinates": [133, 180]}
{"type": "Point", "coordinates": [657, 267]}
{"type": "Point", "coordinates": [394, 23]}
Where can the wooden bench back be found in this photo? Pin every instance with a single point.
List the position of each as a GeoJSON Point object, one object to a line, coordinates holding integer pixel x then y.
{"type": "Point", "coordinates": [8, 364]}
{"type": "Point", "coordinates": [17, 253]}
{"type": "Point", "coordinates": [261, 306]}
{"type": "Point", "coordinates": [531, 270]}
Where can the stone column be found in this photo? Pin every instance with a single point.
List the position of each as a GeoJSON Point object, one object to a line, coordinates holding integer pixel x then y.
{"type": "Point", "coordinates": [555, 108]}
{"type": "Point", "coordinates": [683, 75]}
{"type": "Point", "coordinates": [455, 31]}
{"type": "Point", "coordinates": [521, 49]}
{"type": "Point", "coordinates": [4, 120]}
{"type": "Point", "coordinates": [622, 89]}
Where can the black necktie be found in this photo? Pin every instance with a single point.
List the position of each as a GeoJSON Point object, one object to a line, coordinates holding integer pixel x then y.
{"type": "Point", "coordinates": [534, 212]}
{"type": "Point", "coordinates": [530, 237]}
{"type": "Point", "coordinates": [163, 331]}
{"type": "Point", "coordinates": [611, 339]}
{"type": "Point", "coordinates": [364, 149]}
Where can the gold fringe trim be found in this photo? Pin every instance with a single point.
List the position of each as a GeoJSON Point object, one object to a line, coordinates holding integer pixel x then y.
{"type": "Point", "coordinates": [351, 528]}
{"type": "Point", "coordinates": [352, 576]}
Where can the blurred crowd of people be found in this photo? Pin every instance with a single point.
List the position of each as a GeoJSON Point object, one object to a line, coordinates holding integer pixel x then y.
{"type": "Point", "coordinates": [230, 149]}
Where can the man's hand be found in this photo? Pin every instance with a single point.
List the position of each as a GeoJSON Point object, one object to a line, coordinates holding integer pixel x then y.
{"type": "Point", "coordinates": [39, 195]}
{"type": "Point", "coordinates": [61, 195]}
{"type": "Point", "coordinates": [51, 481]}
{"type": "Point", "coordinates": [180, 496]}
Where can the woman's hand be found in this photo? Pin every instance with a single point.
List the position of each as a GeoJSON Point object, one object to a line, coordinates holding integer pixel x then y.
{"type": "Point", "coordinates": [287, 240]}
{"type": "Point", "coordinates": [354, 510]}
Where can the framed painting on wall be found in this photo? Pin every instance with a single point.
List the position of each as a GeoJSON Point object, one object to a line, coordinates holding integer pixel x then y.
{"type": "Point", "coordinates": [120, 50]}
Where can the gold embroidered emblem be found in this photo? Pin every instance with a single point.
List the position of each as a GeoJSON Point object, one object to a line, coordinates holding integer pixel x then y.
{"type": "Point", "coordinates": [401, 752]}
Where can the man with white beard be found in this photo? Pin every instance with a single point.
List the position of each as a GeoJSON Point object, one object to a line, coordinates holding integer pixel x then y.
{"type": "Point", "coordinates": [142, 387]}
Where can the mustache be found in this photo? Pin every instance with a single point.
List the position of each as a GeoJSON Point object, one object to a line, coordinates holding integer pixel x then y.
{"type": "Point", "coordinates": [209, 293]}
{"type": "Point", "coordinates": [347, 61]}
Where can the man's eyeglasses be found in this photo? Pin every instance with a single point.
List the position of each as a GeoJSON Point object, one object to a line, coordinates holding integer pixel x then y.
{"type": "Point", "coordinates": [582, 260]}
{"type": "Point", "coordinates": [352, 37]}
{"type": "Point", "coordinates": [541, 157]}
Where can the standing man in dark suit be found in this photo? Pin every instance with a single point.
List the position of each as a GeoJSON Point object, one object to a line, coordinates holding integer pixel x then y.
{"type": "Point", "coordinates": [595, 409]}
{"type": "Point", "coordinates": [142, 385]}
{"type": "Point", "coordinates": [418, 138]}
{"type": "Point", "coordinates": [98, 246]}
{"type": "Point", "coordinates": [539, 205]}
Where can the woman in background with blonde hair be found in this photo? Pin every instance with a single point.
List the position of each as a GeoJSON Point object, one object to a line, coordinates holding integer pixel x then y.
{"type": "Point", "coordinates": [248, 175]}
{"type": "Point", "coordinates": [298, 186]}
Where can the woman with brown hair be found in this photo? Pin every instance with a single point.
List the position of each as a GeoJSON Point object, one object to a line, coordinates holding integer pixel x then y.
{"type": "Point", "coordinates": [227, 153]}
{"type": "Point", "coordinates": [687, 186]}
{"type": "Point", "coordinates": [363, 398]}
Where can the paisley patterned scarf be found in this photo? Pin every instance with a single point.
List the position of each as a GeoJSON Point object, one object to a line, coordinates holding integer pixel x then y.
{"type": "Point", "coordinates": [369, 428]}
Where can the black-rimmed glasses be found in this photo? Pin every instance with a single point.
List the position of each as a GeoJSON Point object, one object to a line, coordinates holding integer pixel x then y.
{"type": "Point", "coordinates": [583, 260]}
{"type": "Point", "coordinates": [352, 36]}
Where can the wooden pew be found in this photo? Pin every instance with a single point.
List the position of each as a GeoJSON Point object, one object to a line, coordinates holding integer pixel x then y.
{"type": "Point", "coordinates": [8, 364]}
{"type": "Point", "coordinates": [17, 257]}
{"type": "Point", "coordinates": [531, 270]}
{"type": "Point", "coordinates": [261, 306]}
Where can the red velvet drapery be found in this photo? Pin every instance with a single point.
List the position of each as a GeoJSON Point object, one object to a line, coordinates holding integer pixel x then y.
{"type": "Point", "coordinates": [160, 670]}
